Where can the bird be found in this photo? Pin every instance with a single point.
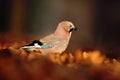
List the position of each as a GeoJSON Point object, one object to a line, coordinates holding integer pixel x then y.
{"type": "Point", "coordinates": [55, 42]}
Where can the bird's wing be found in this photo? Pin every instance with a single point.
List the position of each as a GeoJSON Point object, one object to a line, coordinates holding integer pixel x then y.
{"type": "Point", "coordinates": [35, 44]}
{"type": "Point", "coordinates": [32, 43]}
{"type": "Point", "coordinates": [50, 40]}
{"type": "Point", "coordinates": [58, 44]}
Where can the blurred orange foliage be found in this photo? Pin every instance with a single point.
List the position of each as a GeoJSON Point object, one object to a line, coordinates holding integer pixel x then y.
{"type": "Point", "coordinates": [17, 64]}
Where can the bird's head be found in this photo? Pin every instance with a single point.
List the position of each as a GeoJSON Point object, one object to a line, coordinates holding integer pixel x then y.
{"type": "Point", "coordinates": [65, 28]}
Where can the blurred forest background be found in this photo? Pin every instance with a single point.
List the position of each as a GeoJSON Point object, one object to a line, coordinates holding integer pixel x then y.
{"type": "Point", "coordinates": [98, 20]}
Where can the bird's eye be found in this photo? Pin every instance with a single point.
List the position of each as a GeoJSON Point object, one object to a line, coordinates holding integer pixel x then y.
{"type": "Point", "coordinates": [70, 26]}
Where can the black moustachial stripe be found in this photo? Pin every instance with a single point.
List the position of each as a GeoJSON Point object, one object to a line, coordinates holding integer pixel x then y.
{"type": "Point", "coordinates": [73, 29]}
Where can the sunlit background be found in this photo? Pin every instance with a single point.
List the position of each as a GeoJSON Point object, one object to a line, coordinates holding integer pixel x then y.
{"type": "Point", "coordinates": [98, 21]}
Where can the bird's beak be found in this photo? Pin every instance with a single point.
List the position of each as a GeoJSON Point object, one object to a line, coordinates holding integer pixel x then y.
{"type": "Point", "coordinates": [73, 29]}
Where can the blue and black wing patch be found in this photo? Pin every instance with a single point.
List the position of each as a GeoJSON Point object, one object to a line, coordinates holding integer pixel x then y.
{"type": "Point", "coordinates": [36, 44]}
